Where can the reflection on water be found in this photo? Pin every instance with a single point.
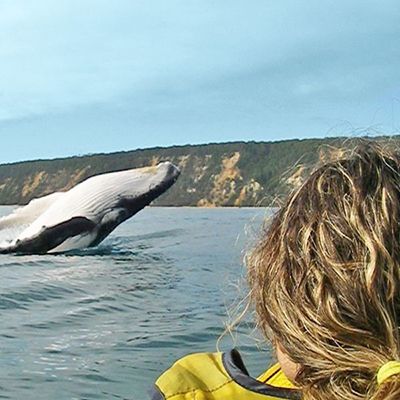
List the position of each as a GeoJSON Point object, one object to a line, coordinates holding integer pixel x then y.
{"type": "Point", "coordinates": [103, 323]}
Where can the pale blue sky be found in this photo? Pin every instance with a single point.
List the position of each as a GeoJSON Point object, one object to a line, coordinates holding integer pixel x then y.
{"type": "Point", "coordinates": [89, 76]}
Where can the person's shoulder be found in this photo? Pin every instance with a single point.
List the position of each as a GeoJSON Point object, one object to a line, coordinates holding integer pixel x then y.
{"type": "Point", "coordinates": [200, 371]}
{"type": "Point", "coordinates": [215, 376]}
{"type": "Point", "coordinates": [274, 376]}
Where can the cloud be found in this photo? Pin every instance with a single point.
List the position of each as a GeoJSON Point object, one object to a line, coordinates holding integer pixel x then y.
{"type": "Point", "coordinates": [197, 66]}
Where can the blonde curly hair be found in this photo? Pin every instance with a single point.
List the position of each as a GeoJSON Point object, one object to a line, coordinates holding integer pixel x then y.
{"type": "Point", "coordinates": [325, 277]}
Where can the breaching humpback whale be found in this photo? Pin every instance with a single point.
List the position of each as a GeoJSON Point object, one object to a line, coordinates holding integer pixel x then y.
{"type": "Point", "coordinates": [86, 214]}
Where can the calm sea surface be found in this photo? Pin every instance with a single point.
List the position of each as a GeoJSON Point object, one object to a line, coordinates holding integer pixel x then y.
{"type": "Point", "coordinates": [103, 323]}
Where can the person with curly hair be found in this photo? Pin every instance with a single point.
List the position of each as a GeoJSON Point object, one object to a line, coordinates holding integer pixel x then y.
{"type": "Point", "coordinates": [324, 280]}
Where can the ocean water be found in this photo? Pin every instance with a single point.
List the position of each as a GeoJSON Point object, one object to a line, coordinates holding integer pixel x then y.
{"type": "Point", "coordinates": [103, 323]}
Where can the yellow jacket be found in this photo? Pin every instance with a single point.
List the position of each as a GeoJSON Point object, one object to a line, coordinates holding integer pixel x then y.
{"type": "Point", "coordinates": [217, 376]}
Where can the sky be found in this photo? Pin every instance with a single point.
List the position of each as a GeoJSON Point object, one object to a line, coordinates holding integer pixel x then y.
{"type": "Point", "coordinates": [88, 76]}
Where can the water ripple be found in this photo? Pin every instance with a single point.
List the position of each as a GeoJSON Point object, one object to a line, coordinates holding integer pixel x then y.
{"type": "Point", "coordinates": [103, 323]}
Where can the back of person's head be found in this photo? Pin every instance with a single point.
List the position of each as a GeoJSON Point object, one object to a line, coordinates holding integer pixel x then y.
{"type": "Point", "coordinates": [325, 278]}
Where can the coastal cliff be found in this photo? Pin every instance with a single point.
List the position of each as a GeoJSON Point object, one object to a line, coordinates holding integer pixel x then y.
{"type": "Point", "coordinates": [227, 174]}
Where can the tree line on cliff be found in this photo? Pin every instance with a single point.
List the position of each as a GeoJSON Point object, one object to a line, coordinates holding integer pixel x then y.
{"type": "Point", "coordinates": [216, 174]}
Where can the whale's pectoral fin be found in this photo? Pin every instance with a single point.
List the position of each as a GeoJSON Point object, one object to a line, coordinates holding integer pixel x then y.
{"type": "Point", "coordinates": [109, 222]}
{"type": "Point", "coordinates": [51, 237]}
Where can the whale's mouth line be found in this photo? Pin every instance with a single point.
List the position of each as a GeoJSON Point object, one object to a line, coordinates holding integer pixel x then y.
{"type": "Point", "coordinates": [137, 203]}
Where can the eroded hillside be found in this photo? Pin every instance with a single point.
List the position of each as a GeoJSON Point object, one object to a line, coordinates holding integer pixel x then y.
{"type": "Point", "coordinates": [228, 174]}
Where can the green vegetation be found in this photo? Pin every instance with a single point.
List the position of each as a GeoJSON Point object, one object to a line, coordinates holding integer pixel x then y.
{"type": "Point", "coordinates": [225, 174]}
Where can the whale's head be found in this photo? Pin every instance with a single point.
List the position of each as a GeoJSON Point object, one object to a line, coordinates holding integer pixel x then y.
{"type": "Point", "coordinates": [142, 185]}
{"type": "Point", "coordinates": [163, 174]}
{"type": "Point", "coordinates": [136, 189]}
{"type": "Point", "coordinates": [125, 188]}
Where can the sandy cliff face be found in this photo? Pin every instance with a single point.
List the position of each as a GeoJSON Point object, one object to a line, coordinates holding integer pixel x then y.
{"type": "Point", "coordinates": [227, 174]}
{"type": "Point", "coordinates": [206, 181]}
{"type": "Point", "coordinates": [229, 187]}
